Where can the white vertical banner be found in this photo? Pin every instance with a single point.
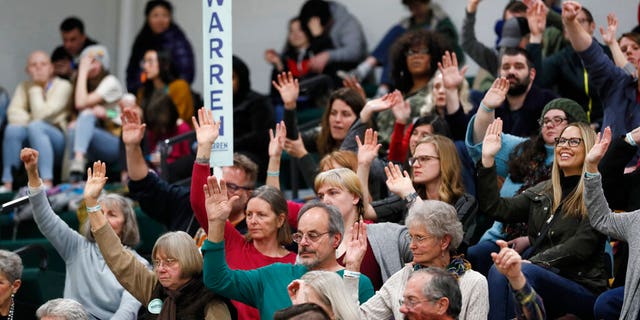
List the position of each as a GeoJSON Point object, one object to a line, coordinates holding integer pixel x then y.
{"type": "Point", "coordinates": [217, 65]}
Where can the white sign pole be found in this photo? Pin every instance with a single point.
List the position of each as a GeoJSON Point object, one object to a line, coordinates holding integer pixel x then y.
{"type": "Point", "coordinates": [217, 65]}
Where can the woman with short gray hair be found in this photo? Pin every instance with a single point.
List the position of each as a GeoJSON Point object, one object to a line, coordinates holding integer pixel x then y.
{"type": "Point", "coordinates": [434, 233]}
{"type": "Point", "coordinates": [62, 309]}
{"type": "Point", "coordinates": [10, 281]}
{"type": "Point", "coordinates": [88, 280]}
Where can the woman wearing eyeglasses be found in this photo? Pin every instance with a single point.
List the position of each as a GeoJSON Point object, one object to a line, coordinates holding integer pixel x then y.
{"type": "Point", "coordinates": [87, 278]}
{"type": "Point", "coordinates": [566, 256]}
{"type": "Point", "coordinates": [174, 288]}
{"type": "Point", "coordinates": [434, 235]}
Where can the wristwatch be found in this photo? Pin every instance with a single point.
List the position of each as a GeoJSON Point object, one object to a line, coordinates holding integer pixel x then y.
{"type": "Point", "coordinates": [411, 198]}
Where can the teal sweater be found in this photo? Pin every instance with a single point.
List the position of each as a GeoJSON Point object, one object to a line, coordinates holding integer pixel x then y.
{"type": "Point", "coordinates": [264, 288]}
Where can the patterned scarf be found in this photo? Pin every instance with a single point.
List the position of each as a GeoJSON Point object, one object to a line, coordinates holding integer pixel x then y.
{"type": "Point", "coordinates": [457, 266]}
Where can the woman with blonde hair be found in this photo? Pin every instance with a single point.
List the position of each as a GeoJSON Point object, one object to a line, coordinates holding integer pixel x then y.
{"type": "Point", "coordinates": [566, 253]}
{"type": "Point", "coordinates": [327, 290]}
{"type": "Point", "coordinates": [174, 288]}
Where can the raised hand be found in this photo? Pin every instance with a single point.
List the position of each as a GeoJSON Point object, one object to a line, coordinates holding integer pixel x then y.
{"type": "Point", "coordinates": [289, 89]}
{"type": "Point", "coordinates": [497, 93]}
{"type": "Point", "coordinates": [296, 290]}
{"type": "Point", "coordinates": [537, 17]}
{"type": "Point", "coordinates": [350, 81]}
{"type": "Point", "coordinates": [356, 246]}
{"type": "Point", "coordinates": [609, 34]}
{"type": "Point", "coordinates": [570, 10]}
{"type": "Point", "coordinates": [492, 143]}
{"type": "Point", "coordinates": [598, 150]}
{"type": "Point", "coordinates": [216, 200]}
{"type": "Point", "coordinates": [96, 179]}
{"type": "Point", "coordinates": [132, 127]}
{"type": "Point", "coordinates": [368, 150]}
{"type": "Point", "coordinates": [402, 112]}
{"type": "Point", "coordinates": [377, 105]}
{"type": "Point", "coordinates": [451, 76]}
{"type": "Point", "coordinates": [315, 26]}
{"type": "Point", "coordinates": [277, 140]}
{"type": "Point", "coordinates": [509, 263]}
{"type": "Point", "coordinates": [207, 129]}
{"type": "Point", "coordinates": [295, 148]}
{"type": "Point", "coordinates": [398, 182]}
{"type": "Point", "coordinates": [30, 159]}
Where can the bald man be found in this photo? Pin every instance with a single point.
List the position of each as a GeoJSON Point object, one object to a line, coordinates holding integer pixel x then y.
{"type": "Point", "coordinates": [36, 116]}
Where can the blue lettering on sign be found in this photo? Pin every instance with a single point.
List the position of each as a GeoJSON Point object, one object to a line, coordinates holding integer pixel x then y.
{"type": "Point", "coordinates": [215, 23]}
{"type": "Point", "coordinates": [221, 126]}
{"type": "Point", "coordinates": [215, 47]}
{"type": "Point", "coordinates": [215, 74]}
{"type": "Point", "coordinates": [214, 99]}
{"type": "Point", "coordinates": [218, 1]}
{"type": "Point", "coordinates": [220, 146]}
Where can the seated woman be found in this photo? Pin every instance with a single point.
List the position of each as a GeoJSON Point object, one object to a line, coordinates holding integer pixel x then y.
{"type": "Point", "coordinates": [327, 290]}
{"type": "Point", "coordinates": [161, 79]}
{"type": "Point", "coordinates": [434, 235]}
{"type": "Point", "coordinates": [88, 280]}
{"type": "Point", "coordinates": [436, 175]}
{"type": "Point", "coordinates": [95, 133]}
{"type": "Point", "coordinates": [344, 109]}
{"type": "Point", "coordinates": [10, 281]}
{"type": "Point", "coordinates": [566, 253]}
{"type": "Point", "coordinates": [160, 32]}
{"type": "Point", "coordinates": [37, 115]}
{"type": "Point", "coordinates": [174, 289]}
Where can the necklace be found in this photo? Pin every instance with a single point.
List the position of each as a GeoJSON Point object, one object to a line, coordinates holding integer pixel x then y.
{"type": "Point", "coordinates": [13, 304]}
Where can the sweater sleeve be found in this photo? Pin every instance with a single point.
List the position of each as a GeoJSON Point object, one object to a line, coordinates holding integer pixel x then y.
{"type": "Point", "coordinates": [198, 180]}
{"type": "Point", "coordinates": [241, 285]}
{"type": "Point", "coordinates": [62, 237]}
{"type": "Point", "coordinates": [603, 74]}
{"type": "Point", "coordinates": [396, 151]}
{"type": "Point", "coordinates": [612, 166]}
{"type": "Point", "coordinates": [17, 111]}
{"type": "Point", "coordinates": [131, 273]}
{"type": "Point", "coordinates": [485, 57]}
{"type": "Point", "coordinates": [55, 103]}
{"type": "Point", "coordinates": [381, 305]}
{"type": "Point", "coordinates": [475, 288]}
{"type": "Point", "coordinates": [616, 225]}
{"type": "Point", "coordinates": [128, 308]}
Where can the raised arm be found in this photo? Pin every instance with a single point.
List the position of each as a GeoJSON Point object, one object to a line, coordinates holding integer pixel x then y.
{"type": "Point", "coordinates": [218, 207]}
{"type": "Point", "coordinates": [609, 38]}
{"type": "Point", "coordinates": [276, 145]}
{"type": "Point", "coordinates": [399, 182]}
{"type": "Point", "coordinates": [579, 38]}
{"type": "Point", "coordinates": [367, 152]}
{"type": "Point", "coordinates": [207, 131]}
{"type": "Point", "coordinates": [452, 77]}
{"type": "Point", "coordinates": [132, 134]}
{"type": "Point", "coordinates": [486, 113]}
{"type": "Point", "coordinates": [83, 98]}
{"type": "Point", "coordinates": [492, 143]}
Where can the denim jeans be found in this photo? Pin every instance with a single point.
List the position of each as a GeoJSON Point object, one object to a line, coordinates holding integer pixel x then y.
{"type": "Point", "coordinates": [94, 142]}
{"type": "Point", "coordinates": [560, 295]}
{"type": "Point", "coordinates": [40, 135]}
{"type": "Point", "coordinates": [480, 256]}
{"type": "Point", "coordinates": [609, 304]}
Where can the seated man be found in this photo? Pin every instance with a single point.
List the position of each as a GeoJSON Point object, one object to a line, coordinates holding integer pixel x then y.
{"type": "Point", "coordinates": [169, 203]}
{"type": "Point", "coordinates": [320, 230]}
{"type": "Point", "coordinates": [74, 40]}
{"type": "Point", "coordinates": [36, 115]}
{"type": "Point", "coordinates": [431, 293]}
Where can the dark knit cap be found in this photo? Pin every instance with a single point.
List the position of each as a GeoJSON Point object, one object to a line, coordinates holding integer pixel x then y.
{"type": "Point", "coordinates": [572, 109]}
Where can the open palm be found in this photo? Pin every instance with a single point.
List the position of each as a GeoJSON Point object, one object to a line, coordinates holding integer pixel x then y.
{"type": "Point", "coordinates": [497, 93]}
{"type": "Point", "coordinates": [398, 182]}
{"type": "Point", "coordinates": [599, 148]}
{"type": "Point", "coordinates": [132, 127]}
{"type": "Point", "coordinates": [492, 139]}
{"type": "Point", "coordinates": [96, 179]}
{"type": "Point", "coordinates": [288, 87]}
{"type": "Point", "coordinates": [452, 77]}
{"type": "Point", "coordinates": [207, 129]}
{"type": "Point", "coordinates": [217, 201]}
{"type": "Point", "coordinates": [368, 150]}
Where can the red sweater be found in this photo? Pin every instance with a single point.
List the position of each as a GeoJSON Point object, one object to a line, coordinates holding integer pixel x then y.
{"type": "Point", "coordinates": [399, 142]}
{"type": "Point", "coordinates": [239, 253]}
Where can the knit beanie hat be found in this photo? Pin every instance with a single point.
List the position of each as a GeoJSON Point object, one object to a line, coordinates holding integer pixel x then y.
{"type": "Point", "coordinates": [98, 52]}
{"type": "Point", "coordinates": [572, 109]}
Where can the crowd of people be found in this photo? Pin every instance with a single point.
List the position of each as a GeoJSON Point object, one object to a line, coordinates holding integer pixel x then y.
{"type": "Point", "coordinates": [435, 198]}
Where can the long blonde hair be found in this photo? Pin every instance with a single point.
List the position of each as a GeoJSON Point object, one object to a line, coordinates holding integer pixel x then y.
{"type": "Point", "coordinates": [451, 186]}
{"type": "Point", "coordinates": [573, 205]}
{"type": "Point", "coordinates": [464, 92]}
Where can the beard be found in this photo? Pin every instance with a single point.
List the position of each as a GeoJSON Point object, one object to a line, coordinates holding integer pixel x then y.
{"type": "Point", "coordinates": [519, 87]}
{"type": "Point", "coordinates": [310, 263]}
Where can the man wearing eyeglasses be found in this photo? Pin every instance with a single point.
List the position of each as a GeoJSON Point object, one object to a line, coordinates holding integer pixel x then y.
{"type": "Point", "coordinates": [431, 294]}
{"type": "Point", "coordinates": [170, 204]}
{"type": "Point", "coordinates": [320, 230]}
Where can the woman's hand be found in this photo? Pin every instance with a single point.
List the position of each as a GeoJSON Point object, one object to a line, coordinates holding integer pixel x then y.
{"type": "Point", "coordinates": [353, 83]}
{"type": "Point", "coordinates": [402, 112]}
{"type": "Point", "coordinates": [272, 57]}
{"type": "Point", "coordinates": [492, 143]}
{"type": "Point", "coordinates": [398, 182]}
{"type": "Point", "coordinates": [295, 148]}
{"type": "Point", "coordinates": [356, 246]}
{"type": "Point", "coordinates": [216, 200]}
{"type": "Point", "coordinates": [451, 76]}
{"type": "Point", "coordinates": [315, 26]}
{"type": "Point", "coordinates": [609, 35]}
{"type": "Point", "coordinates": [277, 140]}
{"type": "Point", "coordinates": [497, 93]}
{"type": "Point", "coordinates": [30, 158]}
{"type": "Point", "coordinates": [99, 111]}
{"type": "Point", "coordinates": [570, 10]}
{"type": "Point", "coordinates": [85, 64]}
{"type": "Point", "coordinates": [377, 105]}
{"type": "Point", "coordinates": [96, 179]}
{"type": "Point", "coordinates": [509, 263]}
{"type": "Point", "coordinates": [598, 150]}
{"type": "Point", "coordinates": [132, 128]}
{"type": "Point", "coordinates": [296, 290]}
{"type": "Point", "coordinates": [207, 129]}
{"type": "Point", "coordinates": [368, 150]}
{"type": "Point", "coordinates": [289, 89]}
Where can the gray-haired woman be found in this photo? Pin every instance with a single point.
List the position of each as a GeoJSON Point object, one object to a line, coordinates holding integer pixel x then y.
{"type": "Point", "coordinates": [10, 281]}
{"type": "Point", "coordinates": [435, 232]}
{"type": "Point", "coordinates": [88, 280]}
